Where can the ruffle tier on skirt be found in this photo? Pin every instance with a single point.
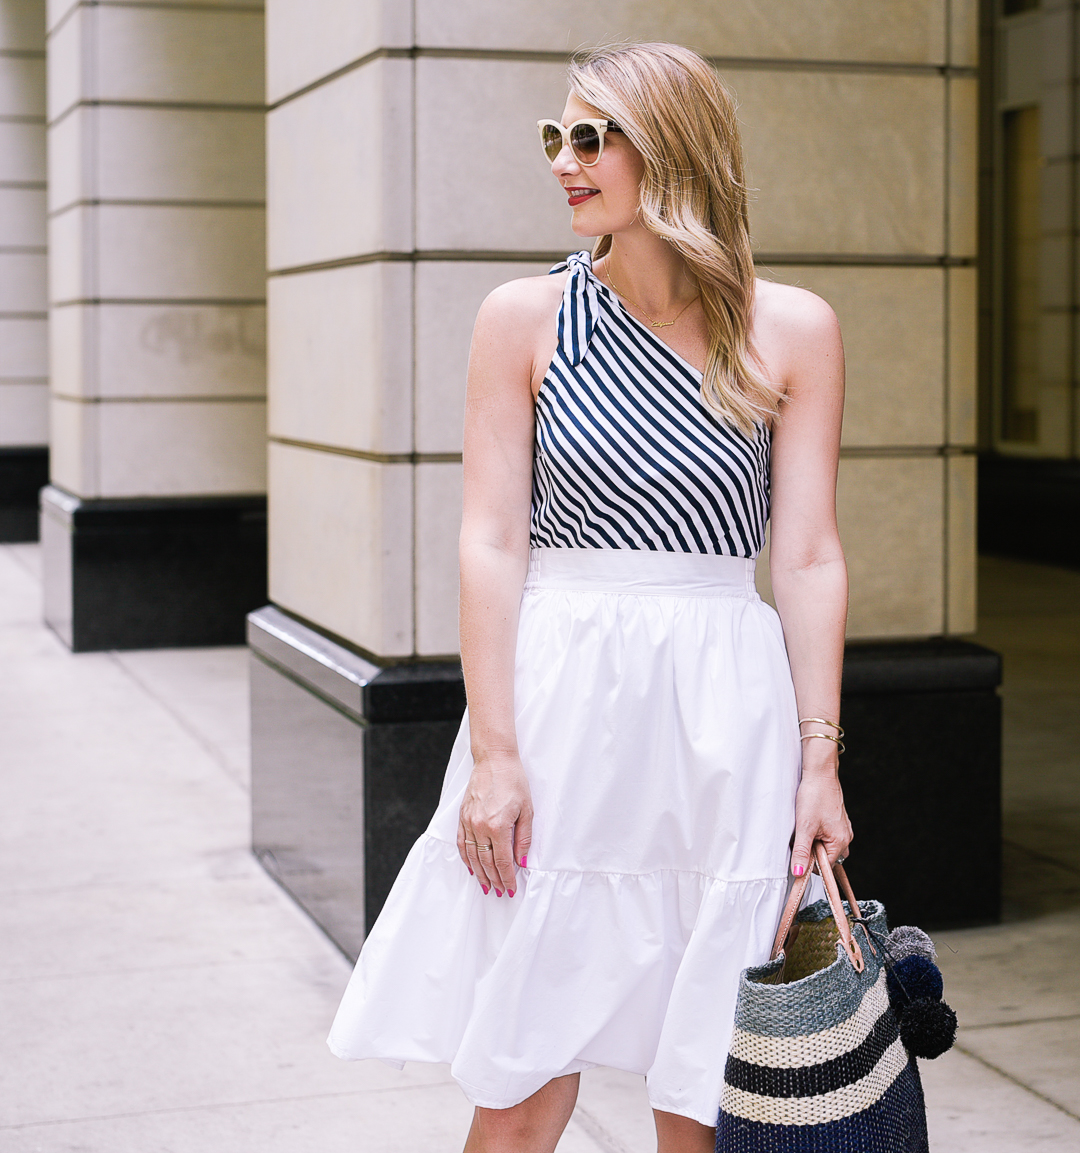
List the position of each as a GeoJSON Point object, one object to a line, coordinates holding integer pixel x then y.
{"type": "Point", "coordinates": [656, 722]}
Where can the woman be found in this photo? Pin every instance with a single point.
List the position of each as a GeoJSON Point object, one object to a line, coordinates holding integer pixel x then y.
{"type": "Point", "coordinates": [615, 829]}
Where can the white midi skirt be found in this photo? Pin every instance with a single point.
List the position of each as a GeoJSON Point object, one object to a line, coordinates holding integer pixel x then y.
{"type": "Point", "coordinates": [656, 722]}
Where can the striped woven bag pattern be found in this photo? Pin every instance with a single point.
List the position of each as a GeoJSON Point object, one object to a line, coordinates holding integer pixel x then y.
{"type": "Point", "coordinates": [816, 1065]}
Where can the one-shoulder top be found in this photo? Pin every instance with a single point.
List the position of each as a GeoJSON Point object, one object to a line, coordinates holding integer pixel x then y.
{"type": "Point", "coordinates": [628, 455]}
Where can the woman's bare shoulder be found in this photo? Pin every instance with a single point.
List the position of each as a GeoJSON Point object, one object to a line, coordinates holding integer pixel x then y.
{"type": "Point", "coordinates": [523, 302]}
{"type": "Point", "coordinates": [795, 311]}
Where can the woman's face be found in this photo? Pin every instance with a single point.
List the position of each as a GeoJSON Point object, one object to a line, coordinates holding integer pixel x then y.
{"type": "Point", "coordinates": [605, 197]}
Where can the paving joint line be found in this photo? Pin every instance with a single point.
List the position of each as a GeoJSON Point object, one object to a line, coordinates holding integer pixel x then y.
{"type": "Point", "coordinates": [206, 745]}
{"type": "Point", "coordinates": [596, 1132]}
{"type": "Point", "coordinates": [1016, 1081]}
{"type": "Point", "coordinates": [1042, 857]}
{"type": "Point", "coordinates": [1026, 1021]}
{"type": "Point", "coordinates": [90, 1117]}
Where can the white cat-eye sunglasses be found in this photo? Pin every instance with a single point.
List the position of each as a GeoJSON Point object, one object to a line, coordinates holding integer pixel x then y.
{"type": "Point", "coordinates": [585, 137]}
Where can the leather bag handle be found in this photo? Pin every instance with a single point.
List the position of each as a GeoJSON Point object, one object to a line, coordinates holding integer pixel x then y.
{"type": "Point", "coordinates": [829, 876]}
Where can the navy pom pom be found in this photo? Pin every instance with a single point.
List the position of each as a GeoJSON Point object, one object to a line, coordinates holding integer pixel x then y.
{"type": "Point", "coordinates": [927, 1028]}
{"type": "Point", "coordinates": [914, 978]}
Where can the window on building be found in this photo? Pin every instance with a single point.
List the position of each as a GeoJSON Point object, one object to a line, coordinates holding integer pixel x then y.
{"type": "Point", "coordinates": [1020, 343]}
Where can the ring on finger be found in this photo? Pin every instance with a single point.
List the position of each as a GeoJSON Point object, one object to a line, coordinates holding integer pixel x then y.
{"type": "Point", "coordinates": [483, 848]}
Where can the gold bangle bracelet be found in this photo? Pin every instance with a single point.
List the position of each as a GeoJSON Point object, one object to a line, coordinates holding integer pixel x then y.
{"type": "Point", "coordinates": [821, 721]}
{"type": "Point", "coordinates": [826, 737]}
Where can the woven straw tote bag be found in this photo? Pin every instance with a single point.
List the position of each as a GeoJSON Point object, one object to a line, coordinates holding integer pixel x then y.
{"type": "Point", "coordinates": [816, 1062]}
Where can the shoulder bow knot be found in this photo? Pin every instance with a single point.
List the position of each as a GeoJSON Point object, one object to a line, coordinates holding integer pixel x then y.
{"type": "Point", "coordinates": [580, 306]}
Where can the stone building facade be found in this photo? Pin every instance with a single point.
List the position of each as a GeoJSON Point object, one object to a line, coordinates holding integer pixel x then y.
{"type": "Point", "coordinates": [402, 183]}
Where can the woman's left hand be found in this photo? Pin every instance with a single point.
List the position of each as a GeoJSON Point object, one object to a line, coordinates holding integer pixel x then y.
{"type": "Point", "coordinates": [819, 816]}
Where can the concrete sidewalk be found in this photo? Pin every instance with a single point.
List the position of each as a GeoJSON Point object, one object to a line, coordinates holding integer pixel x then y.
{"type": "Point", "coordinates": [159, 994]}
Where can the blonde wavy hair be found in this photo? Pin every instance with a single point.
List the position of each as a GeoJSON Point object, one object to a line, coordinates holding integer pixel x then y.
{"type": "Point", "coordinates": [675, 110]}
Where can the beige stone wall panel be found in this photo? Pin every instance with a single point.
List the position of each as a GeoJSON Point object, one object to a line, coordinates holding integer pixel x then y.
{"type": "Point", "coordinates": [22, 152]}
{"type": "Point", "coordinates": [67, 76]}
{"type": "Point", "coordinates": [892, 321]}
{"type": "Point", "coordinates": [22, 25]}
{"type": "Point", "coordinates": [22, 218]}
{"type": "Point", "coordinates": [963, 198]}
{"type": "Point", "coordinates": [341, 548]}
{"type": "Point", "coordinates": [1021, 46]}
{"type": "Point", "coordinates": [462, 106]}
{"type": "Point", "coordinates": [22, 86]}
{"type": "Point", "coordinates": [309, 39]}
{"type": "Point", "coordinates": [964, 33]}
{"type": "Point", "coordinates": [148, 449]}
{"type": "Point", "coordinates": [438, 521]}
{"type": "Point", "coordinates": [71, 274]}
{"type": "Point", "coordinates": [56, 10]}
{"type": "Point", "coordinates": [341, 357]}
{"type": "Point", "coordinates": [1055, 271]}
{"type": "Point", "coordinates": [891, 514]}
{"type": "Point", "coordinates": [210, 55]}
{"type": "Point", "coordinates": [157, 252]}
{"type": "Point", "coordinates": [23, 348]}
{"type": "Point", "coordinates": [448, 296]}
{"type": "Point", "coordinates": [844, 162]}
{"type": "Point", "coordinates": [73, 445]}
{"type": "Point", "coordinates": [1056, 48]}
{"type": "Point", "coordinates": [73, 351]}
{"type": "Point", "coordinates": [1056, 195]}
{"type": "Point", "coordinates": [1056, 121]}
{"type": "Point", "coordinates": [890, 30]}
{"type": "Point", "coordinates": [963, 287]}
{"type": "Point", "coordinates": [154, 350]}
{"type": "Point", "coordinates": [25, 413]}
{"type": "Point", "coordinates": [961, 559]}
{"type": "Point", "coordinates": [172, 154]}
{"type": "Point", "coordinates": [1055, 347]}
{"type": "Point", "coordinates": [340, 182]}
{"type": "Point", "coordinates": [22, 282]}
{"type": "Point", "coordinates": [71, 169]}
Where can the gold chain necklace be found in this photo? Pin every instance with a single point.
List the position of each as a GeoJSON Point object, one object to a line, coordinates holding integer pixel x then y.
{"type": "Point", "coordinates": [652, 323]}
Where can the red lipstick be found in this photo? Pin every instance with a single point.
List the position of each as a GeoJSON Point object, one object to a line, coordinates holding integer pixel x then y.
{"type": "Point", "coordinates": [576, 196]}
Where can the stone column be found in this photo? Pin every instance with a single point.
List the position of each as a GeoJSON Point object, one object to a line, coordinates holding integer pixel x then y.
{"type": "Point", "coordinates": [405, 181]}
{"type": "Point", "coordinates": [24, 454]}
{"type": "Point", "coordinates": [154, 526]}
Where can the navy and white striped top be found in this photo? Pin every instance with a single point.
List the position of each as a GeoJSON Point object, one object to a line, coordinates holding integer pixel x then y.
{"type": "Point", "coordinates": [628, 455]}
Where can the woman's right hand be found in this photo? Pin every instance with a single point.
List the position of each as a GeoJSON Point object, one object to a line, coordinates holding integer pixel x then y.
{"type": "Point", "coordinates": [495, 829]}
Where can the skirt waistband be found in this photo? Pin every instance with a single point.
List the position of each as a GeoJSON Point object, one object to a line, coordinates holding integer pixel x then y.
{"type": "Point", "coordinates": [641, 573]}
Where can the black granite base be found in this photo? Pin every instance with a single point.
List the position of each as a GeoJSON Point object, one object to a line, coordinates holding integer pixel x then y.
{"type": "Point", "coordinates": [1029, 509]}
{"type": "Point", "coordinates": [24, 472]}
{"type": "Point", "coordinates": [151, 573]}
{"type": "Point", "coordinates": [348, 760]}
{"type": "Point", "coordinates": [922, 780]}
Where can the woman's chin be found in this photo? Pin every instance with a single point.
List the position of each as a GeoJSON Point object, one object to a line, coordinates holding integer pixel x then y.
{"type": "Point", "coordinates": [585, 227]}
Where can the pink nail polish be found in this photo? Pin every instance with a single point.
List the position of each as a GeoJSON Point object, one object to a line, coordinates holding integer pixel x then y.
{"type": "Point", "coordinates": [524, 862]}
{"type": "Point", "coordinates": [498, 893]}
{"type": "Point", "coordinates": [470, 871]}
{"type": "Point", "coordinates": [486, 889]}
{"type": "Point", "coordinates": [509, 892]}
{"type": "Point", "coordinates": [798, 870]}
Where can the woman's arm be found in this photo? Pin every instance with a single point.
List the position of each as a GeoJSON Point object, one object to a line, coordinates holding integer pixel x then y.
{"type": "Point", "coordinates": [494, 557]}
{"type": "Point", "coordinates": [809, 576]}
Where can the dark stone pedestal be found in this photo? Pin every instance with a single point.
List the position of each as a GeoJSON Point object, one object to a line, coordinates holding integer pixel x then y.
{"type": "Point", "coordinates": [23, 473]}
{"type": "Point", "coordinates": [154, 572]}
{"type": "Point", "coordinates": [922, 780]}
{"type": "Point", "coordinates": [1029, 509]}
{"type": "Point", "coordinates": [347, 761]}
